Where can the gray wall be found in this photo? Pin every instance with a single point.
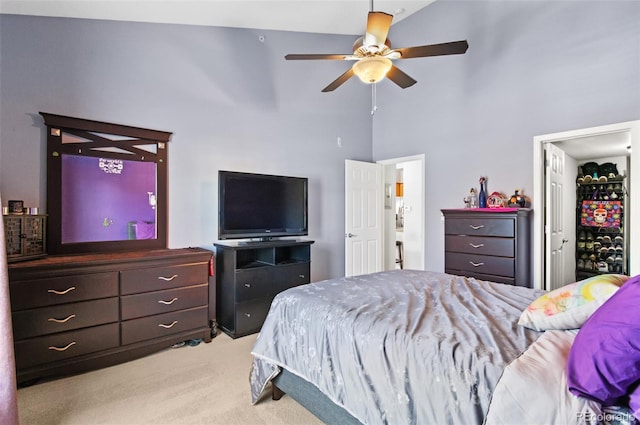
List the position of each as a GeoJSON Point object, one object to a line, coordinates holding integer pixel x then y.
{"type": "Point", "coordinates": [231, 101]}
{"type": "Point", "coordinates": [532, 68]}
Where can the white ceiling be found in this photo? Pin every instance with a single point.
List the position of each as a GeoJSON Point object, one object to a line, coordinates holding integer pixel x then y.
{"type": "Point", "coordinates": [318, 16]}
{"type": "Point", "coordinates": [598, 146]}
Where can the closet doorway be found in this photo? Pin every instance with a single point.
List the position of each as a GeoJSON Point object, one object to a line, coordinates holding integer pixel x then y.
{"type": "Point", "coordinates": [556, 160]}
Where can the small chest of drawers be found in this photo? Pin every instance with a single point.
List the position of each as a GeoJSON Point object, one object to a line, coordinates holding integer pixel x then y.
{"type": "Point", "coordinates": [75, 313]}
{"type": "Point", "coordinates": [250, 275]}
{"type": "Point", "coordinates": [489, 244]}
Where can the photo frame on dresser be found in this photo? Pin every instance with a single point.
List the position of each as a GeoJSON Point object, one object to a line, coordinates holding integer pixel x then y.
{"type": "Point", "coordinates": [15, 207]}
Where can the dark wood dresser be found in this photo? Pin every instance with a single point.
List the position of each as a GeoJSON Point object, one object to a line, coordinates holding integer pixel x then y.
{"type": "Point", "coordinates": [250, 275]}
{"type": "Point", "coordinates": [73, 313]}
{"type": "Point", "coordinates": [489, 244]}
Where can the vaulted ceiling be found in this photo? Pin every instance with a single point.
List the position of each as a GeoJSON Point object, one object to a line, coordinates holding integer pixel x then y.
{"type": "Point", "coordinates": [316, 16]}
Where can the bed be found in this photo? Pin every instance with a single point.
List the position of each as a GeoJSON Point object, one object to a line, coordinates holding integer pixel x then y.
{"type": "Point", "coordinates": [413, 347]}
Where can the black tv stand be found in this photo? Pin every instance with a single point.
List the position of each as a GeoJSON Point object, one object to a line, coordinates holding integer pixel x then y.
{"type": "Point", "coordinates": [249, 274]}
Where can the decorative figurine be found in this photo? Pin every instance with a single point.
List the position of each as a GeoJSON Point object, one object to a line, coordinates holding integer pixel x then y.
{"type": "Point", "coordinates": [473, 199]}
{"type": "Point", "coordinates": [495, 200]}
{"type": "Point", "coordinates": [517, 200]}
{"type": "Point", "coordinates": [467, 202]}
{"type": "Point", "coordinates": [482, 196]}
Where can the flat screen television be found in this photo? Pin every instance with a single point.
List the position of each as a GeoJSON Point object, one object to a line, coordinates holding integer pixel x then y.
{"type": "Point", "coordinates": [261, 206]}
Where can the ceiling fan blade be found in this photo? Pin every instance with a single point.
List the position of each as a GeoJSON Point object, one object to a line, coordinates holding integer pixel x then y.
{"type": "Point", "coordinates": [317, 56]}
{"type": "Point", "coordinates": [451, 48]}
{"type": "Point", "coordinates": [378, 24]}
{"type": "Point", "coordinates": [339, 81]}
{"type": "Point", "coordinates": [400, 78]}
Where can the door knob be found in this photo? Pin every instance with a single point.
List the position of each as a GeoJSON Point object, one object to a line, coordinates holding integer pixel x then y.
{"type": "Point", "coordinates": [350, 235]}
{"type": "Point", "coordinates": [564, 241]}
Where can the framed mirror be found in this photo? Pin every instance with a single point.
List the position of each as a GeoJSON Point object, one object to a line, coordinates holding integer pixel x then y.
{"type": "Point", "coordinates": [106, 186]}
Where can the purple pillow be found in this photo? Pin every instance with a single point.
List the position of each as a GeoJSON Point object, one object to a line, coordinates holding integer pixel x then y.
{"type": "Point", "coordinates": [604, 361]}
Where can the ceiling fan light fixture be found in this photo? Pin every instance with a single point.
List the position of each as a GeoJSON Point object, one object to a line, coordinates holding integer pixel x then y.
{"type": "Point", "coordinates": [372, 69]}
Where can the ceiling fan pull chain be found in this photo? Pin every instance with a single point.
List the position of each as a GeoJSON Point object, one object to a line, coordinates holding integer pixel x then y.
{"type": "Point", "coordinates": [374, 106]}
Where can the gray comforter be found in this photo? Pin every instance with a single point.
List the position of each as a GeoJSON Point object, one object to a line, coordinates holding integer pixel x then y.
{"type": "Point", "coordinates": [398, 347]}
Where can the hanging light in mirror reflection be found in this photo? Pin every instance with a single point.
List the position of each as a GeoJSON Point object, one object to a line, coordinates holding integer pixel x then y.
{"type": "Point", "coordinates": [111, 166]}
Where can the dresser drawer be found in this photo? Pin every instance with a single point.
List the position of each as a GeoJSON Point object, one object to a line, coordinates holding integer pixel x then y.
{"type": "Point", "coordinates": [250, 315]}
{"type": "Point", "coordinates": [52, 348]}
{"type": "Point", "coordinates": [504, 227]}
{"type": "Point", "coordinates": [253, 283]}
{"type": "Point", "coordinates": [158, 302]}
{"type": "Point", "coordinates": [157, 278]}
{"type": "Point", "coordinates": [163, 324]}
{"type": "Point", "coordinates": [484, 264]}
{"type": "Point", "coordinates": [58, 290]}
{"type": "Point", "coordinates": [290, 275]}
{"type": "Point", "coordinates": [482, 276]}
{"type": "Point", "coordinates": [502, 247]}
{"type": "Point", "coordinates": [65, 317]}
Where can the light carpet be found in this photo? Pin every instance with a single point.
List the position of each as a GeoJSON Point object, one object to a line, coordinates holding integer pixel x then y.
{"type": "Point", "coordinates": [205, 384]}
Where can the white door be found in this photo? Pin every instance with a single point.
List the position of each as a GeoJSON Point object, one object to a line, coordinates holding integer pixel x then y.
{"type": "Point", "coordinates": [555, 232]}
{"type": "Point", "coordinates": [364, 204]}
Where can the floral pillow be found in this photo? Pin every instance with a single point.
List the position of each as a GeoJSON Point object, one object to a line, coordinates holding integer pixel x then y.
{"type": "Point", "coordinates": [570, 306]}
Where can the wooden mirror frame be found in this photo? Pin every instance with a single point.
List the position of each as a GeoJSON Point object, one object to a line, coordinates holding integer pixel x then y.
{"type": "Point", "coordinates": [97, 142]}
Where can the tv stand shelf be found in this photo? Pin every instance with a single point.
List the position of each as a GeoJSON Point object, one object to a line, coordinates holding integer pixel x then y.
{"type": "Point", "coordinates": [250, 275]}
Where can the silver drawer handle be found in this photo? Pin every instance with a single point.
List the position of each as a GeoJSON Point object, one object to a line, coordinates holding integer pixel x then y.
{"type": "Point", "coordinates": [476, 264]}
{"type": "Point", "coordinates": [51, 319]}
{"type": "Point", "coordinates": [168, 326]}
{"type": "Point", "coordinates": [476, 227]}
{"type": "Point", "coordinates": [168, 279]}
{"type": "Point", "coordinates": [53, 291]}
{"type": "Point", "coordinates": [476, 246]}
{"type": "Point", "coordinates": [247, 285]}
{"type": "Point", "coordinates": [248, 314]}
{"type": "Point", "coordinates": [168, 302]}
{"type": "Point", "coordinates": [301, 276]}
{"type": "Point", "coordinates": [63, 348]}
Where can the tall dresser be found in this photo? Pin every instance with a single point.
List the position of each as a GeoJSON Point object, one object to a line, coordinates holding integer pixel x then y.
{"type": "Point", "coordinates": [73, 313]}
{"type": "Point", "coordinates": [489, 244]}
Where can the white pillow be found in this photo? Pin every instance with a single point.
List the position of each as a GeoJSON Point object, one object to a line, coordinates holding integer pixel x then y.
{"type": "Point", "coordinates": [533, 387]}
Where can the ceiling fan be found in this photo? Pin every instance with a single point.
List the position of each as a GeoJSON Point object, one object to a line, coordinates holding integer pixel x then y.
{"type": "Point", "coordinates": [373, 54]}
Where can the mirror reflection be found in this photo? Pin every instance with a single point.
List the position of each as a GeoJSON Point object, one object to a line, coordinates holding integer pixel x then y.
{"type": "Point", "coordinates": [105, 199]}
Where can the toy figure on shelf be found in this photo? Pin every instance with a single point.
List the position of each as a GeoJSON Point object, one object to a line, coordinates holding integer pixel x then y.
{"type": "Point", "coordinates": [482, 196]}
